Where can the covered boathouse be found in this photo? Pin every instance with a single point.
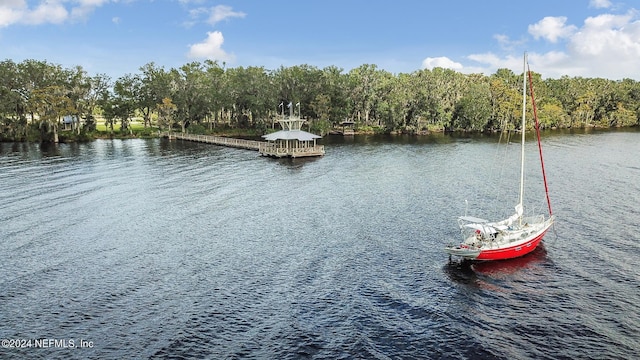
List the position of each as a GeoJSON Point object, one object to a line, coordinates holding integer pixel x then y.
{"type": "Point", "coordinates": [291, 141]}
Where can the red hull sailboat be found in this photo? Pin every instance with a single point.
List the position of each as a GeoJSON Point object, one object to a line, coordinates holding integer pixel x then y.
{"type": "Point", "coordinates": [517, 235]}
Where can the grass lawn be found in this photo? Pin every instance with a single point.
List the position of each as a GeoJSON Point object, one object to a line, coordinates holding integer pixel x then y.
{"type": "Point", "coordinates": [137, 130]}
{"type": "Point", "coordinates": [134, 125]}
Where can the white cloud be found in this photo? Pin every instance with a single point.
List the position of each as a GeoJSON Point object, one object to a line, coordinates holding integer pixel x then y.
{"type": "Point", "coordinates": [607, 35]}
{"type": "Point", "coordinates": [92, 3]}
{"type": "Point", "coordinates": [552, 28]}
{"type": "Point", "coordinates": [223, 12]}
{"type": "Point", "coordinates": [86, 7]}
{"type": "Point", "coordinates": [506, 43]}
{"type": "Point", "coordinates": [11, 11]}
{"type": "Point", "coordinates": [604, 46]}
{"type": "Point", "coordinates": [491, 60]}
{"type": "Point", "coordinates": [197, 12]}
{"type": "Point", "coordinates": [442, 62]}
{"type": "Point", "coordinates": [213, 15]}
{"type": "Point", "coordinates": [13, 3]}
{"type": "Point", "coordinates": [600, 4]}
{"type": "Point", "coordinates": [46, 12]}
{"type": "Point", "coordinates": [608, 45]}
{"type": "Point", "coordinates": [210, 48]}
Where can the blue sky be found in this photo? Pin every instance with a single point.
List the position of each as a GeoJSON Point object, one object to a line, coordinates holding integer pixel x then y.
{"type": "Point", "coordinates": [589, 38]}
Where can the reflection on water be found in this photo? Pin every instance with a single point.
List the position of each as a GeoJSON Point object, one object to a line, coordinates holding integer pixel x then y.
{"type": "Point", "coordinates": [155, 248]}
{"type": "Point", "coordinates": [513, 267]}
{"type": "Point", "coordinates": [480, 273]}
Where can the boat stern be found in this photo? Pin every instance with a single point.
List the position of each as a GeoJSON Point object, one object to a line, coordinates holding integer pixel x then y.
{"type": "Point", "coordinates": [462, 251]}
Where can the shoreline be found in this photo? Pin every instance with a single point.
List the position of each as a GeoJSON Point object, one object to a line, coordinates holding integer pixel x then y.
{"type": "Point", "coordinates": [153, 133]}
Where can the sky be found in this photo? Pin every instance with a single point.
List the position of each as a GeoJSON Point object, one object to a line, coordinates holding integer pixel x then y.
{"type": "Point", "coordinates": [575, 38]}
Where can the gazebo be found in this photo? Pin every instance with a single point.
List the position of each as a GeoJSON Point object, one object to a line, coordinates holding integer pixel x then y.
{"type": "Point", "coordinates": [291, 141]}
{"type": "Point", "coordinates": [347, 127]}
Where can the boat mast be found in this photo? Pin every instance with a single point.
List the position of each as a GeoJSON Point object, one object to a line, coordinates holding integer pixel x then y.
{"type": "Point", "coordinates": [522, 129]}
{"type": "Point", "coordinates": [537, 126]}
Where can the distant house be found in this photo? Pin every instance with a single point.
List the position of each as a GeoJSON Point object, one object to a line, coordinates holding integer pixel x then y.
{"type": "Point", "coordinates": [69, 121]}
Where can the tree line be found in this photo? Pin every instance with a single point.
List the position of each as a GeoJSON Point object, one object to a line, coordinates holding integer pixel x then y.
{"type": "Point", "coordinates": [36, 95]}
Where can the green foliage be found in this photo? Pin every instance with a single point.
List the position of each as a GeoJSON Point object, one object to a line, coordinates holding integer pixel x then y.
{"type": "Point", "coordinates": [371, 129]}
{"type": "Point", "coordinates": [197, 129]}
{"type": "Point", "coordinates": [70, 136]}
{"type": "Point", "coordinates": [551, 115]}
{"type": "Point", "coordinates": [209, 98]}
{"type": "Point", "coordinates": [321, 127]}
{"type": "Point", "coordinates": [473, 110]}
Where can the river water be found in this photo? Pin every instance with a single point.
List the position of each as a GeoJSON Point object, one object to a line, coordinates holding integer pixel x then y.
{"type": "Point", "coordinates": [157, 249]}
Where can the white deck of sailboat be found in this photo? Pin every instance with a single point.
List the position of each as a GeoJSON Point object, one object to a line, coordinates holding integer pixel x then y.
{"type": "Point", "coordinates": [511, 236]}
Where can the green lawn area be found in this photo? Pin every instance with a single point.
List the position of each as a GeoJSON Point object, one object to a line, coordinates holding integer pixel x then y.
{"type": "Point", "coordinates": [137, 130]}
{"type": "Point", "coordinates": [134, 125]}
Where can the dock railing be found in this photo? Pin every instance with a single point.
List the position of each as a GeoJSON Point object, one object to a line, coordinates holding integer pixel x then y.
{"type": "Point", "coordinates": [270, 149]}
{"type": "Point", "coordinates": [263, 147]}
{"type": "Point", "coordinates": [217, 140]}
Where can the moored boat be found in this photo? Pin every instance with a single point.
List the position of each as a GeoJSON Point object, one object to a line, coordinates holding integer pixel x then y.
{"type": "Point", "coordinates": [517, 235]}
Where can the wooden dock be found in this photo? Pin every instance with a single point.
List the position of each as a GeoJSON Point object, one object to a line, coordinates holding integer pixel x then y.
{"type": "Point", "coordinates": [263, 147]}
{"type": "Point", "coordinates": [217, 140]}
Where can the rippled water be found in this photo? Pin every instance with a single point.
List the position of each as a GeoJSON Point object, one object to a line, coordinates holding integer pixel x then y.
{"type": "Point", "coordinates": [157, 249]}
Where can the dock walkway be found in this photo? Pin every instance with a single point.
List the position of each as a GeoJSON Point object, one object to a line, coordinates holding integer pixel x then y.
{"type": "Point", "coordinates": [263, 147]}
{"type": "Point", "coordinates": [217, 140]}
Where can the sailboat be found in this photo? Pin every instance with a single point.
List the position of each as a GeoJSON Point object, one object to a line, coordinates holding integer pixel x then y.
{"type": "Point", "coordinates": [518, 234]}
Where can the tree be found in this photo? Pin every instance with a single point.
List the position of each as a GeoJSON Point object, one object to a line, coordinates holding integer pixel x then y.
{"type": "Point", "coordinates": [150, 88]}
{"type": "Point", "coordinates": [189, 94]}
{"type": "Point", "coordinates": [44, 88]}
{"type": "Point", "coordinates": [97, 86]}
{"type": "Point", "coordinates": [363, 83]}
{"type": "Point", "coordinates": [78, 87]}
{"type": "Point", "coordinates": [35, 94]}
{"type": "Point", "coordinates": [108, 109]}
{"type": "Point", "coordinates": [166, 109]}
{"type": "Point", "coordinates": [253, 95]}
{"type": "Point", "coordinates": [398, 104]}
{"type": "Point", "coordinates": [551, 115]}
{"type": "Point", "coordinates": [217, 94]}
{"type": "Point", "coordinates": [334, 85]}
{"type": "Point", "coordinates": [124, 102]}
{"type": "Point", "coordinates": [473, 110]}
{"type": "Point", "coordinates": [506, 99]}
{"type": "Point", "coordinates": [51, 104]}
{"type": "Point", "coordinates": [322, 107]}
{"type": "Point", "coordinates": [13, 102]}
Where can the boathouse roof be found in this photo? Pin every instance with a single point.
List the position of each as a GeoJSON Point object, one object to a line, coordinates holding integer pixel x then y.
{"type": "Point", "coordinates": [291, 135]}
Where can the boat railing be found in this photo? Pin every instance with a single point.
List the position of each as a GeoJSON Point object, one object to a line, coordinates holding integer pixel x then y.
{"type": "Point", "coordinates": [535, 219]}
